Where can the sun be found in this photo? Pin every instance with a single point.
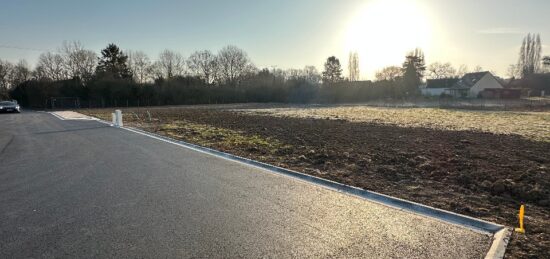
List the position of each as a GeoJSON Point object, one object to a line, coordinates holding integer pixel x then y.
{"type": "Point", "coordinates": [383, 31]}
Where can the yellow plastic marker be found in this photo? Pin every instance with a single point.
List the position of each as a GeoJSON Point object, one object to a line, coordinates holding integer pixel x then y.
{"type": "Point", "coordinates": [521, 214]}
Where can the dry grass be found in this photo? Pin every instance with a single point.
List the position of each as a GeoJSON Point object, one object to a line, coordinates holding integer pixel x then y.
{"type": "Point", "coordinates": [207, 135]}
{"type": "Point", "coordinates": [530, 125]}
{"type": "Point", "coordinates": [197, 133]}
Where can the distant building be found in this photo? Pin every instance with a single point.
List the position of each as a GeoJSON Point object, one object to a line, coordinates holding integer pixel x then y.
{"type": "Point", "coordinates": [472, 84]}
{"type": "Point", "coordinates": [502, 93]}
{"type": "Point", "coordinates": [435, 87]}
{"type": "Point", "coordinates": [533, 85]}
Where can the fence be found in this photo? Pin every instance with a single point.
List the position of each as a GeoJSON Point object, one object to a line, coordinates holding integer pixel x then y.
{"type": "Point", "coordinates": [496, 104]}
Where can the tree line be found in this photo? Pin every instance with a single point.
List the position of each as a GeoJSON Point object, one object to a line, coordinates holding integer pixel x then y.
{"type": "Point", "coordinates": [116, 77]}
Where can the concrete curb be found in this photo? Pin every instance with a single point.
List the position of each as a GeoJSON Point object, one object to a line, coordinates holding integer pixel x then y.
{"type": "Point", "coordinates": [500, 233]}
{"type": "Point", "coordinates": [500, 241]}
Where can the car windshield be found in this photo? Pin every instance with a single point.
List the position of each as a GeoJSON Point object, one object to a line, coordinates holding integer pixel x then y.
{"type": "Point", "coordinates": [6, 103]}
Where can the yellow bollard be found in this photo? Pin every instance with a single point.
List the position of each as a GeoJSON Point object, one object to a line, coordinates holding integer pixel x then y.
{"type": "Point", "coordinates": [520, 216]}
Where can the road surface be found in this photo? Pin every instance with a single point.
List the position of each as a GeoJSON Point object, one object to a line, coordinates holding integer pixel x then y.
{"type": "Point", "coordinates": [82, 189]}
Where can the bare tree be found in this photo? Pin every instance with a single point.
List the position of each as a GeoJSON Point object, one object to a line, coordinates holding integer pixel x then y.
{"type": "Point", "coordinates": [156, 71]}
{"type": "Point", "coordinates": [140, 65]}
{"type": "Point", "coordinates": [234, 64]}
{"type": "Point", "coordinates": [170, 64]}
{"type": "Point", "coordinates": [279, 73]}
{"type": "Point", "coordinates": [79, 62]}
{"type": "Point", "coordinates": [530, 55]}
{"type": "Point", "coordinates": [462, 70]}
{"type": "Point", "coordinates": [308, 73]}
{"type": "Point", "coordinates": [293, 74]}
{"type": "Point", "coordinates": [390, 73]}
{"type": "Point", "coordinates": [6, 69]}
{"type": "Point", "coordinates": [203, 64]}
{"type": "Point", "coordinates": [477, 69]}
{"type": "Point", "coordinates": [311, 74]}
{"type": "Point", "coordinates": [441, 70]}
{"type": "Point", "coordinates": [20, 73]}
{"type": "Point", "coordinates": [51, 66]}
{"type": "Point", "coordinates": [513, 71]}
{"type": "Point", "coordinates": [353, 66]}
{"type": "Point", "coordinates": [87, 61]}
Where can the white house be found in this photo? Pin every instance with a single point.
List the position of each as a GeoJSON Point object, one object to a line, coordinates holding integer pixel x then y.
{"type": "Point", "coordinates": [471, 84]}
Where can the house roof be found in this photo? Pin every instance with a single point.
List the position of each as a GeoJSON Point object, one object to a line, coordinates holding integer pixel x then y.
{"type": "Point", "coordinates": [469, 80]}
{"type": "Point", "coordinates": [441, 83]}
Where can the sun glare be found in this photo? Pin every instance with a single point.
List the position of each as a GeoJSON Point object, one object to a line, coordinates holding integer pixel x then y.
{"type": "Point", "coordinates": [384, 30]}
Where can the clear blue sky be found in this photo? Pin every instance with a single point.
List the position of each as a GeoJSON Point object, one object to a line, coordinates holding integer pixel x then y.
{"type": "Point", "coordinates": [283, 33]}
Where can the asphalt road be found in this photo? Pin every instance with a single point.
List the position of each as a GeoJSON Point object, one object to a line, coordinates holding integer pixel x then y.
{"type": "Point", "coordinates": [81, 189]}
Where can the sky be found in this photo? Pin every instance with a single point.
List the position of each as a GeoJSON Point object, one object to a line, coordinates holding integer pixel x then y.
{"type": "Point", "coordinates": [284, 33]}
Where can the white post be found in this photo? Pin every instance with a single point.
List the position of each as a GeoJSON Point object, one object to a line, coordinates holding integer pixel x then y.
{"type": "Point", "coordinates": [118, 118]}
{"type": "Point", "coordinates": [114, 118]}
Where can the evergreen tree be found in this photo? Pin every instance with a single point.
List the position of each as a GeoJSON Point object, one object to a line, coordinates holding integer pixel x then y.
{"type": "Point", "coordinates": [113, 63]}
{"type": "Point", "coordinates": [415, 58]}
{"type": "Point", "coordinates": [413, 71]}
{"type": "Point", "coordinates": [411, 79]}
{"type": "Point", "coordinates": [333, 71]}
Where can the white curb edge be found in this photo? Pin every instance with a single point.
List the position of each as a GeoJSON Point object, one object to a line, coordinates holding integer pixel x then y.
{"type": "Point", "coordinates": [500, 242]}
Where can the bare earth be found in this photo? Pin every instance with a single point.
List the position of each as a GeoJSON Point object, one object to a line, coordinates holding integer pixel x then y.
{"type": "Point", "coordinates": [531, 125]}
{"type": "Point", "coordinates": [478, 163]}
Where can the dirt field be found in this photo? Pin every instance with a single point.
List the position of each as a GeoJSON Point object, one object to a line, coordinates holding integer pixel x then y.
{"type": "Point", "coordinates": [481, 164]}
{"type": "Point", "coordinates": [531, 125]}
